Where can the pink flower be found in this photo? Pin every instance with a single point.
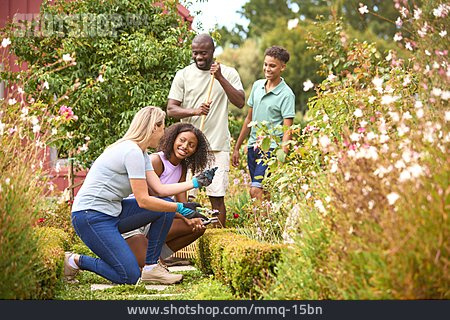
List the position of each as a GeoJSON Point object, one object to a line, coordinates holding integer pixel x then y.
{"type": "Point", "coordinates": [66, 112]}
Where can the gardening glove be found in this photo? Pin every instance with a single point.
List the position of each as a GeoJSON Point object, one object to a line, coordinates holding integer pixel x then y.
{"type": "Point", "coordinates": [205, 178]}
{"type": "Point", "coordinates": [187, 208]}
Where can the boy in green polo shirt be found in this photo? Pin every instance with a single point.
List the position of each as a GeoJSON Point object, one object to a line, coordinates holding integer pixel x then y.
{"type": "Point", "coordinates": [271, 100]}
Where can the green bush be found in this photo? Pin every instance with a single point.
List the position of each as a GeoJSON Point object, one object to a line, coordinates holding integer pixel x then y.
{"type": "Point", "coordinates": [246, 266]}
{"type": "Point", "coordinates": [51, 243]}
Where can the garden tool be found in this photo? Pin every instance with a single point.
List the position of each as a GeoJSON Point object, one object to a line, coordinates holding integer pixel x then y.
{"type": "Point", "coordinates": [211, 82]}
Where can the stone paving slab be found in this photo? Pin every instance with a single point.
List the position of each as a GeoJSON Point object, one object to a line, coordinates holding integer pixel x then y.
{"type": "Point", "coordinates": [100, 286]}
{"type": "Point", "coordinates": [182, 268]}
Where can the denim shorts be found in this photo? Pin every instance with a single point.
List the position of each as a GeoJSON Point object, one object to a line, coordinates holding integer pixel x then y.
{"type": "Point", "coordinates": [256, 168]}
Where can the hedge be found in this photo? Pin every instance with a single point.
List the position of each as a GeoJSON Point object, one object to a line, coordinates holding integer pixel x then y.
{"type": "Point", "coordinates": [246, 266]}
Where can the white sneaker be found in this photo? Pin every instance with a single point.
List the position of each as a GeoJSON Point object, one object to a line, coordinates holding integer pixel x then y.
{"type": "Point", "coordinates": [69, 271]}
{"type": "Point", "coordinates": [161, 275]}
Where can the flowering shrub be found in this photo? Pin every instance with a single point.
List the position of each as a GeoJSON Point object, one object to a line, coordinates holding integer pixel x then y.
{"type": "Point", "coordinates": [27, 126]}
{"type": "Point", "coordinates": [115, 57]}
{"type": "Point", "coordinates": [365, 187]}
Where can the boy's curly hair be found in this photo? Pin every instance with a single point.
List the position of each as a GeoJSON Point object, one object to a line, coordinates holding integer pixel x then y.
{"type": "Point", "coordinates": [278, 52]}
{"type": "Point", "coordinates": [201, 158]}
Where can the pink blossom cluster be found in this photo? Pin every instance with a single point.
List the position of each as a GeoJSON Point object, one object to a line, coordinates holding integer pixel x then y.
{"type": "Point", "coordinates": [67, 112]}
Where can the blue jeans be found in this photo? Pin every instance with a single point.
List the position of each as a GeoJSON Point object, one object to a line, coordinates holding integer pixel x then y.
{"type": "Point", "coordinates": [100, 232]}
{"type": "Point", "coordinates": [256, 168]}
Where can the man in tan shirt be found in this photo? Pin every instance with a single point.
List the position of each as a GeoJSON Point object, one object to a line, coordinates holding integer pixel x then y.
{"type": "Point", "coordinates": [186, 101]}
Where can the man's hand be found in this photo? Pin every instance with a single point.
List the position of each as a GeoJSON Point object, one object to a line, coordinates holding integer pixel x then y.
{"type": "Point", "coordinates": [203, 110]}
{"type": "Point", "coordinates": [216, 71]}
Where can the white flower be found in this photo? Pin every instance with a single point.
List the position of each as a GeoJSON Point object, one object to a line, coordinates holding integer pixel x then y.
{"type": "Point", "coordinates": [404, 176]}
{"type": "Point", "coordinates": [428, 53]}
{"type": "Point", "coordinates": [54, 131]}
{"type": "Point", "coordinates": [292, 23]}
{"type": "Point", "coordinates": [252, 123]}
{"type": "Point", "coordinates": [363, 9]}
{"type": "Point", "coordinates": [7, 181]}
{"type": "Point", "coordinates": [372, 99]}
{"type": "Point", "coordinates": [378, 83]}
{"type": "Point", "coordinates": [398, 37]}
{"type": "Point", "coordinates": [2, 128]}
{"type": "Point", "coordinates": [334, 167]}
{"type": "Point", "coordinates": [389, 56]}
{"type": "Point", "coordinates": [370, 136]}
{"type": "Point", "coordinates": [398, 22]}
{"type": "Point", "coordinates": [304, 187]}
{"type": "Point", "coordinates": [45, 85]}
{"type": "Point", "coordinates": [392, 198]}
{"type": "Point", "coordinates": [447, 116]}
{"type": "Point", "coordinates": [388, 99]}
{"type": "Point", "coordinates": [408, 46]}
{"type": "Point", "coordinates": [324, 141]}
{"type": "Point", "coordinates": [331, 77]}
{"type": "Point", "coordinates": [36, 128]}
{"type": "Point", "coordinates": [384, 138]}
{"type": "Point", "coordinates": [84, 148]}
{"type": "Point", "coordinates": [6, 42]}
{"type": "Point", "coordinates": [443, 33]}
{"type": "Point", "coordinates": [419, 113]}
{"type": "Point", "coordinates": [355, 136]}
{"type": "Point", "coordinates": [406, 81]}
{"type": "Point", "coordinates": [441, 11]}
{"type": "Point", "coordinates": [358, 113]}
{"type": "Point", "coordinates": [307, 85]}
{"type": "Point", "coordinates": [319, 205]}
{"type": "Point", "coordinates": [100, 79]}
{"type": "Point", "coordinates": [34, 120]}
{"type": "Point", "coordinates": [66, 57]}
{"type": "Point", "coordinates": [325, 118]}
{"type": "Point", "coordinates": [417, 14]}
{"type": "Point", "coordinates": [436, 92]}
{"type": "Point", "coordinates": [12, 101]}
{"type": "Point", "coordinates": [20, 90]}
{"type": "Point", "coordinates": [416, 170]}
{"type": "Point", "coordinates": [418, 104]}
{"type": "Point", "coordinates": [445, 95]}
{"type": "Point", "coordinates": [371, 204]}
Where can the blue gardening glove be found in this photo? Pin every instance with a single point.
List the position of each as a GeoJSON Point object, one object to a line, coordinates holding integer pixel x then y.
{"type": "Point", "coordinates": [187, 208]}
{"type": "Point", "coordinates": [205, 178]}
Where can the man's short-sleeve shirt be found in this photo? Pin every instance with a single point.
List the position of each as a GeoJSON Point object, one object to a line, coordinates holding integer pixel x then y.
{"type": "Point", "coordinates": [272, 107]}
{"type": "Point", "coordinates": [190, 87]}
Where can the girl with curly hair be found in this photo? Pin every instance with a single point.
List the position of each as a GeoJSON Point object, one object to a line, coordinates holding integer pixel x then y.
{"type": "Point", "coordinates": [183, 147]}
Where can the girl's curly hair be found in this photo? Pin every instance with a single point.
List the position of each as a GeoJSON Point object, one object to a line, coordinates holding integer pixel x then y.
{"type": "Point", "coordinates": [201, 158]}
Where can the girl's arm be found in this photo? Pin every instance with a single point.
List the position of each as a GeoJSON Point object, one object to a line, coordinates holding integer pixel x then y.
{"type": "Point", "coordinates": [182, 197]}
{"type": "Point", "coordinates": [164, 190]}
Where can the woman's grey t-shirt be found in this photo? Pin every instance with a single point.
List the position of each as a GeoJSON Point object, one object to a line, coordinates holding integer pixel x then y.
{"type": "Point", "coordinates": [107, 182]}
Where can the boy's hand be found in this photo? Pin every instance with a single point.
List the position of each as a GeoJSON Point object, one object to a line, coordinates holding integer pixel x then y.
{"type": "Point", "coordinates": [235, 158]}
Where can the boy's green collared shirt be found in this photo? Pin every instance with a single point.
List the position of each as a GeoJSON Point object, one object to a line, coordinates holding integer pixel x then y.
{"type": "Point", "coordinates": [272, 107]}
